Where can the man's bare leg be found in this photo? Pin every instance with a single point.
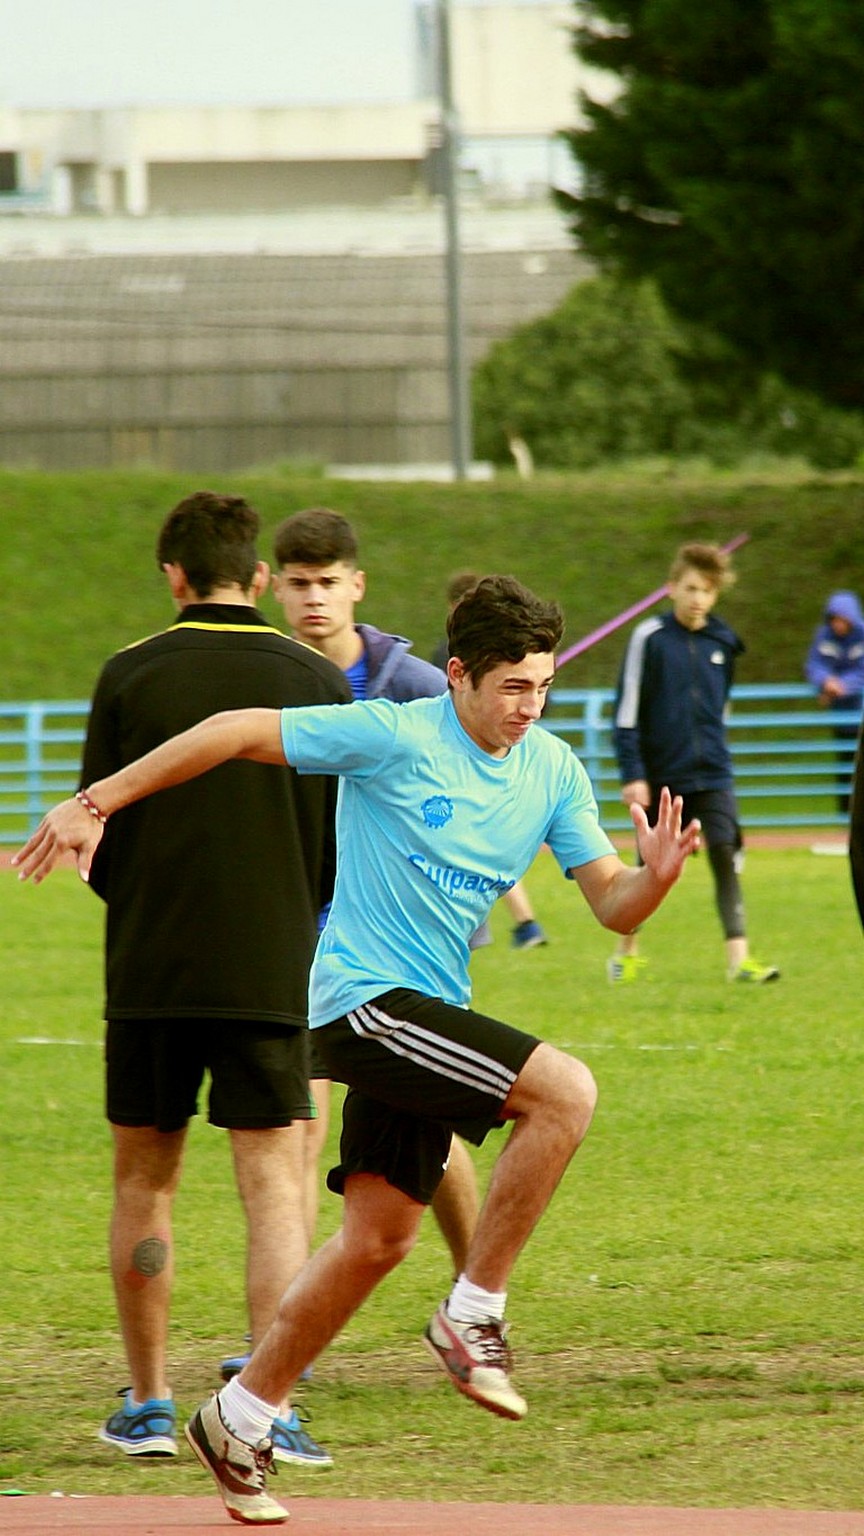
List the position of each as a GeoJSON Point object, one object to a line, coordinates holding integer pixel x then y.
{"type": "Point", "coordinates": [268, 1167]}
{"type": "Point", "coordinates": [314, 1140]}
{"type": "Point", "coordinates": [147, 1166]}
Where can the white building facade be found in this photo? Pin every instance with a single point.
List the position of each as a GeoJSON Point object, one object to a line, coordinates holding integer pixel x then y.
{"type": "Point", "coordinates": [516, 82]}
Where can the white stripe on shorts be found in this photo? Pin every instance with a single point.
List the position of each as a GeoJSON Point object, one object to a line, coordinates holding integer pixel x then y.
{"type": "Point", "coordinates": [449, 1058]}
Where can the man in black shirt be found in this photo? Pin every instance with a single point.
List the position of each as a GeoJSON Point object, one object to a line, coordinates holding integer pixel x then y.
{"type": "Point", "coordinates": [207, 949]}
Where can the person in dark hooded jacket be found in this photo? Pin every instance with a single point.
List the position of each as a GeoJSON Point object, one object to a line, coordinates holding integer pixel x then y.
{"type": "Point", "coordinates": [835, 668]}
{"type": "Point", "coordinates": [670, 730]}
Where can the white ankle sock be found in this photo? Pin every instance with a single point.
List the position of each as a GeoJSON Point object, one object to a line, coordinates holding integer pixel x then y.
{"type": "Point", "coordinates": [469, 1303]}
{"type": "Point", "coordinates": [249, 1416]}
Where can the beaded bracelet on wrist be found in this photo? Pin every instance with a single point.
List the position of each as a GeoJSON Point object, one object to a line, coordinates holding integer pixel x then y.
{"type": "Point", "coordinates": [90, 805]}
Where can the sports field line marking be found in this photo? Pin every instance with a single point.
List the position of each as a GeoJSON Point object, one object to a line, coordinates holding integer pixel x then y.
{"type": "Point", "coordinates": [49, 1040]}
{"type": "Point", "coordinates": [615, 1045]}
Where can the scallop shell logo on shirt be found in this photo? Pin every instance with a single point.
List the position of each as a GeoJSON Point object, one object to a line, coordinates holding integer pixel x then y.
{"type": "Point", "coordinates": [437, 811]}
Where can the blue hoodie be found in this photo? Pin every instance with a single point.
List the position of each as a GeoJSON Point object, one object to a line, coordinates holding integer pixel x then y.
{"type": "Point", "coordinates": [393, 672]}
{"type": "Point", "coordinates": [839, 656]}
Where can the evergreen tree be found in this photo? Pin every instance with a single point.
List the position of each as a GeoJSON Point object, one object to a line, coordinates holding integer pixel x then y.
{"type": "Point", "coordinates": [729, 168]}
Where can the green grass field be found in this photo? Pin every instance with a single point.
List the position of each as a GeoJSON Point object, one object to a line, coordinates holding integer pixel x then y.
{"type": "Point", "coordinates": [78, 578]}
{"type": "Point", "coordinates": [687, 1319]}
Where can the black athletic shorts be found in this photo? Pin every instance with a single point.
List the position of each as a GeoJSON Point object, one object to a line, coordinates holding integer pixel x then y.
{"type": "Point", "coordinates": [154, 1069]}
{"type": "Point", "coordinates": [717, 809]}
{"type": "Point", "coordinates": [417, 1070]}
{"type": "Point", "coordinates": [317, 1064]}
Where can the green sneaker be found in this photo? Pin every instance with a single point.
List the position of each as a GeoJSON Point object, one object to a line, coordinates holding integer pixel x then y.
{"type": "Point", "coordinates": [625, 968]}
{"type": "Point", "coordinates": [751, 970]}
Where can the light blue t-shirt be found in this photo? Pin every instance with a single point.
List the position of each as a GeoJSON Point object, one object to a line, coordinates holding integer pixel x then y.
{"type": "Point", "coordinates": [431, 830]}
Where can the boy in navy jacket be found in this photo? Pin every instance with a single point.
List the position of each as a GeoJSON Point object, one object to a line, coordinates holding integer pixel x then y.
{"type": "Point", "coordinates": [670, 730]}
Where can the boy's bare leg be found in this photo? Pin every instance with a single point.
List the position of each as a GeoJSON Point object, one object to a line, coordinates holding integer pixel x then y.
{"type": "Point", "coordinates": [517, 903]}
{"type": "Point", "coordinates": [552, 1104]}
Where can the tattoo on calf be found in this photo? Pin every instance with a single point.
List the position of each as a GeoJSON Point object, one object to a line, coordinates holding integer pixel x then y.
{"type": "Point", "coordinates": [150, 1257]}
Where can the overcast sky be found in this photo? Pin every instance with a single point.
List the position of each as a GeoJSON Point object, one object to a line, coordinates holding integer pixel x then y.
{"type": "Point", "coordinates": [115, 52]}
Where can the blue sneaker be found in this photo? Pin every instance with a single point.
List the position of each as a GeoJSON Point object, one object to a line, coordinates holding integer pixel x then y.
{"type": "Point", "coordinates": [291, 1443]}
{"type": "Point", "coordinates": [528, 935]}
{"type": "Point", "coordinates": [142, 1430]}
{"type": "Point", "coordinates": [232, 1365]}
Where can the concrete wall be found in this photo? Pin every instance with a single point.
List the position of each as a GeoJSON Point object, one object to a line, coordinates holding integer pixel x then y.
{"type": "Point", "coordinates": [209, 363]}
{"type": "Point", "coordinates": [256, 186]}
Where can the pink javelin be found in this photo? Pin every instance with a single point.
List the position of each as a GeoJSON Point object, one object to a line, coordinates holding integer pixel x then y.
{"type": "Point", "coordinates": [630, 613]}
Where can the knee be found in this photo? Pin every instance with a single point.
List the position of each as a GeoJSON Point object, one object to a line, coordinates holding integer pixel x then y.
{"type": "Point", "coordinates": [378, 1250]}
{"type": "Point", "coordinates": [384, 1250]}
{"type": "Point", "coordinates": [560, 1090]}
{"type": "Point", "coordinates": [379, 1235]}
{"type": "Point", "coordinates": [134, 1186]}
{"type": "Point", "coordinates": [580, 1090]}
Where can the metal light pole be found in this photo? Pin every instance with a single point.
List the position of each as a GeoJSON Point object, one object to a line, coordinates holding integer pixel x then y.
{"type": "Point", "coordinates": [460, 405]}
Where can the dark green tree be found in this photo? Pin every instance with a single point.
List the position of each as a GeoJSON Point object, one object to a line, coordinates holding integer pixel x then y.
{"type": "Point", "coordinates": [591, 381]}
{"type": "Point", "coordinates": [610, 374]}
{"type": "Point", "coordinates": [729, 168]}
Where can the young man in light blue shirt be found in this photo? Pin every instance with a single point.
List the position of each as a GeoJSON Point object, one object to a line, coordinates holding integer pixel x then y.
{"type": "Point", "coordinates": [443, 803]}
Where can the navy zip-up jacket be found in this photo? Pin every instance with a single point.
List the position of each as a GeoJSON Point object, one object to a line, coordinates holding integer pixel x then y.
{"type": "Point", "coordinates": [393, 672]}
{"type": "Point", "coordinates": [669, 708]}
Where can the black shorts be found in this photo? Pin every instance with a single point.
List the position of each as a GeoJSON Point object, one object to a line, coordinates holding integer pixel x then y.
{"type": "Point", "coordinates": [716, 809]}
{"type": "Point", "coordinates": [417, 1070]}
{"type": "Point", "coordinates": [154, 1069]}
{"type": "Point", "coordinates": [718, 813]}
{"type": "Point", "coordinates": [317, 1064]}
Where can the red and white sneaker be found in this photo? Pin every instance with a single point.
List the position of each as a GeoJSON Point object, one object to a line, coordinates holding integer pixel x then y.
{"type": "Point", "coordinates": [239, 1468]}
{"type": "Point", "coordinates": [476, 1357]}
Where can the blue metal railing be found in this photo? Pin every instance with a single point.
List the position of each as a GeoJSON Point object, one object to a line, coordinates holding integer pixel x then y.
{"type": "Point", "coordinates": [40, 754]}
{"type": "Point", "coordinates": [787, 769]}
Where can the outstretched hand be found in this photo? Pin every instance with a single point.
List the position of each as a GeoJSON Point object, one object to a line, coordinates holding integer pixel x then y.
{"type": "Point", "coordinates": [666, 846]}
{"type": "Point", "coordinates": [68, 828]}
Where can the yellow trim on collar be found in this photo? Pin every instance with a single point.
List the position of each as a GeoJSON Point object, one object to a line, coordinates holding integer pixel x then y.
{"type": "Point", "coordinates": [235, 629]}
